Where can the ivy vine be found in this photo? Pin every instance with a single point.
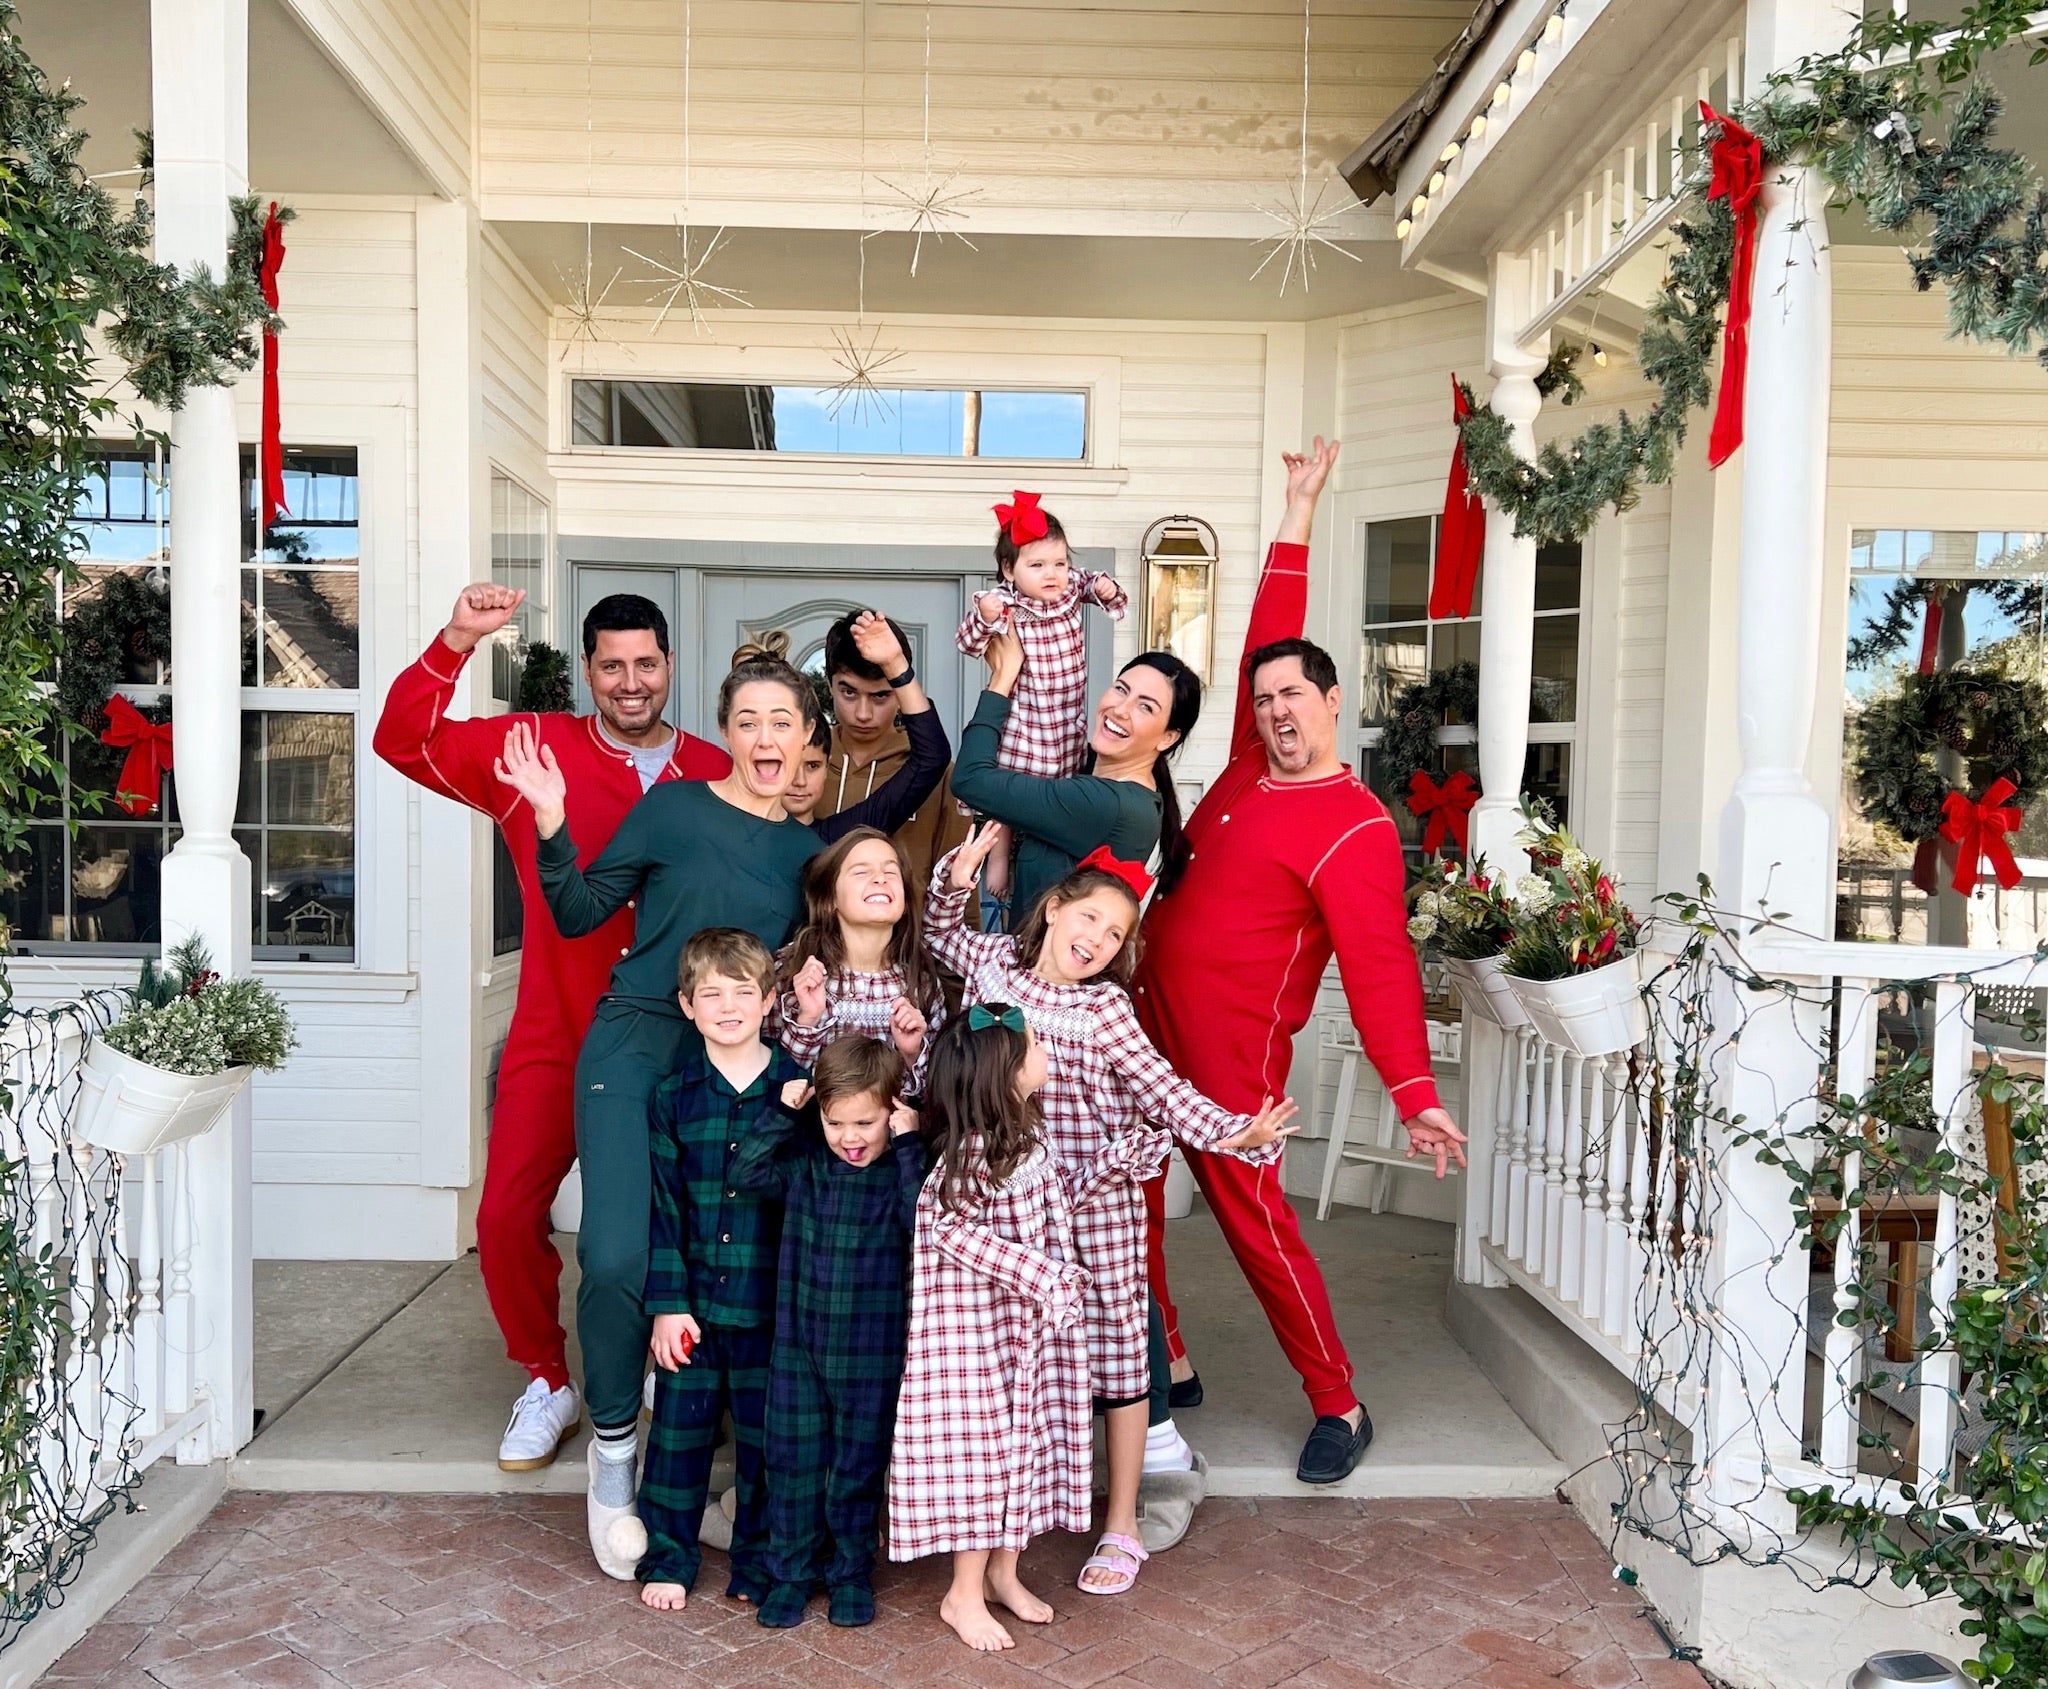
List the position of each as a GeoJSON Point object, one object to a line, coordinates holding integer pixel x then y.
{"type": "Point", "coordinates": [1862, 116]}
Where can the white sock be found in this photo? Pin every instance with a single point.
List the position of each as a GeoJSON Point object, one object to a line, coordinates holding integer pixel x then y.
{"type": "Point", "coordinates": [1166, 1450]}
{"type": "Point", "coordinates": [612, 1479]}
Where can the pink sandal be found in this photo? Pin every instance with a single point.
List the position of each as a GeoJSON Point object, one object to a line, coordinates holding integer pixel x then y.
{"type": "Point", "coordinates": [1115, 1553]}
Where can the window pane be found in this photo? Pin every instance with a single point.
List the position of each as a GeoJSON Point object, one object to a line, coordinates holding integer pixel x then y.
{"type": "Point", "coordinates": [308, 770]}
{"type": "Point", "coordinates": [311, 620]}
{"type": "Point", "coordinates": [508, 909]}
{"type": "Point", "coordinates": [1554, 669]}
{"type": "Point", "coordinates": [1392, 658]}
{"type": "Point", "coordinates": [1397, 570]}
{"type": "Point", "coordinates": [1547, 774]}
{"type": "Point", "coordinates": [1557, 576]}
{"type": "Point", "coordinates": [116, 889]}
{"type": "Point", "coordinates": [519, 526]}
{"type": "Point", "coordinates": [1452, 643]}
{"type": "Point", "coordinates": [309, 892]}
{"type": "Point", "coordinates": [32, 887]}
{"type": "Point", "coordinates": [894, 422]}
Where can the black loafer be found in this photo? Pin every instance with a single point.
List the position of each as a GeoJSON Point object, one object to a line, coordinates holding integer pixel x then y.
{"type": "Point", "coordinates": [1333, 1449]}
{"type": "Point", "coordinates": [1185, 1392]}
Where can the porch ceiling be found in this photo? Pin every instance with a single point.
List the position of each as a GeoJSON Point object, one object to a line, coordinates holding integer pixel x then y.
{"type": "Point", "coordinates": [309, 131]}
{"type": "Point", "coordinates": [1007, 276]}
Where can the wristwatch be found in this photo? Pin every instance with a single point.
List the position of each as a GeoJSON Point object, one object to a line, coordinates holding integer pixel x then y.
{"type": "Point", "coordinates": [905, 678]}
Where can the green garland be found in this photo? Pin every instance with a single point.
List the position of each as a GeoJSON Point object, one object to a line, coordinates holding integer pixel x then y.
{"type": "Point", "coordinates": [1997, 723]}
{"type": "Point", "coordinates": [1986, 242]}
{"type": "Point", "coordinates": [1408, 740]}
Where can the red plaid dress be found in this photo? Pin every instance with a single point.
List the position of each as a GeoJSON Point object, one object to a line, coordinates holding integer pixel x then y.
{"type": "Point", "coordinates": [1047, 733]}
{"type": "Point", "coordinates": [1106, 1080]}
{"type": "Point", "coordinates": [855, 1004]}
{"type": "Point", "coordinates": [994, 1437]}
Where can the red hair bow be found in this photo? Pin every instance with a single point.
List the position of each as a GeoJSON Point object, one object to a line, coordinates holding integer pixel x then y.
{"type": "Point", "coordinates": [149, 754]}
{"type": "Point", "coordinates": [1023, 521]}
{"type": "Point", "coordinates": [1131, 873]}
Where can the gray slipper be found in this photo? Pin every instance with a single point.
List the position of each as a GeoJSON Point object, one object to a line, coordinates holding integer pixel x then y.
{"type": "Point", "coordinates": [1167, 1503]}
{"type": "Point", "coordinates": [715, 1530]}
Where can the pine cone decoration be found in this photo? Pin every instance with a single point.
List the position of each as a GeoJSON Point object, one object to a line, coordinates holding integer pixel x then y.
{"type": "Point", "coordinates": [93, 649]}
{"type": "Point", "coordinates": [1979, 699]}
{"type": "Point", "coordinates": [1920, 804]}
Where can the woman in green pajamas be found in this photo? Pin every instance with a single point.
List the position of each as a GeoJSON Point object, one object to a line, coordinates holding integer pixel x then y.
{"type": "Point", "coordinates": [689, 855]}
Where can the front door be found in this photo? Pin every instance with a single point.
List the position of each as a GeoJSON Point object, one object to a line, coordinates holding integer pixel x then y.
{"type": "Point", "coordinates": [742, 607]}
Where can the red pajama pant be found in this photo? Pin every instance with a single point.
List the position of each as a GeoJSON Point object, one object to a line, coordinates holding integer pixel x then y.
{"type": "Point", "coordinates": [533, 1144]}
{"type": "Point", "coordinates": [1260, 1226]}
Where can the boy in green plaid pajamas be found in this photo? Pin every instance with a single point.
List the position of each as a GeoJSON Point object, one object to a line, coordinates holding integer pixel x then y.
{"type": "Point", "coordinates": [711, 1264]}
{"type": "Point", "coordinates": [849, 1182]}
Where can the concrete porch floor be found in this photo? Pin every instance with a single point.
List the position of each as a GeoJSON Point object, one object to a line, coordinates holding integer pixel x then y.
{"type": "Point", "coordinates": [380, 1376]}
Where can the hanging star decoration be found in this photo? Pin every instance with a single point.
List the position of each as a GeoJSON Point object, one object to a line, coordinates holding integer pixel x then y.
{"type": "Point", "coordinates": [1301, 223]}
{"type": "Point", "coordinates": [933, 205]}
{"type": "Point", "coordinates": [586, 305]}
{"type": "Point", "coordinates": [863, 363]}
{"type": "Point", "coordinates": [681, 285]}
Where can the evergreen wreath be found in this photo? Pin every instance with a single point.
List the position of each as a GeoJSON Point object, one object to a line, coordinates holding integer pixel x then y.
{"type": "Point", "coordinates": [1997, 723]}
{"type": "Point", "coordinates": [1862, 123]}
{"type": "Point", "coordinates": [1408, 740]}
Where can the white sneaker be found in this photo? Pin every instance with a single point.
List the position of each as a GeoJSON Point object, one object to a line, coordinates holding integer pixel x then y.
{"type": "Point", "coordinates": [617, 1537]}
{"type": "Point", "coordinates": [542, 1420]}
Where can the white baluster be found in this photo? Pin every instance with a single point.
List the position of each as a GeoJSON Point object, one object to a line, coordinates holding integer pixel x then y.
{"type": "Point", "coordinates": [1940, 1379]}
{"type": "Point", "coordinates": [1571, 1232]}
{"type": "Point", "coordinates": [1539, 1127]}
{"type": "Point", "coordinates": [1571, 247]}
{"type": "Point", "coordinates": [1527, 1073]}
{"type": "Point", "coordinates": [1622, 1131]}
{"type": "Point", "coordinates": [1734, 83]}
{"type": "Point", "coordinates": [149, 1302]}
{"type": "Point", "coordinates": [1586, 234]}
{"type": "Point", "coordinates": [1593, 1220]}
{"type": "Point", "coordinates": [1550, 270]}
{"type": "Point", "coordinates": [181, 1326]}
{"type": "Point", "coordinates": [1506, 1079]}
{"type": "Point", "coordinates": [1564, 1080]}
{"type": "Point", "coordinates": [1607, 212]}
{"type": "Point", "coordinates": [1840, 1406]}
{"type": "Point", "coordinates": [1675, 162]}
{"type": "Point", "coordinates": [1628, 188]}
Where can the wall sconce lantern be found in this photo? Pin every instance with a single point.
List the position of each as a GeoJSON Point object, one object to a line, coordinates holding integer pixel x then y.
{"type": "Point", "coordinates": [1179, 558]}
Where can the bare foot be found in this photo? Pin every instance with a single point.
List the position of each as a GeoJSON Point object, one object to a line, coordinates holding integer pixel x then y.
{"type": "Point", "coordinates": [664, 1597]}
{"type": "Point", "coordinates": [1007, 1589]}
{"type": "Point", "coordinates": [974, 1624]}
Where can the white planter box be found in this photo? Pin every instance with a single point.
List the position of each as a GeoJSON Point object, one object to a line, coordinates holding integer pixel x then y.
{"type": "Point", "coordinates": [1589, 1014]}
{"type": "Point", "coordinates": [1487, 992]}
{"type": "Point", "coordinates": [130, 1108]}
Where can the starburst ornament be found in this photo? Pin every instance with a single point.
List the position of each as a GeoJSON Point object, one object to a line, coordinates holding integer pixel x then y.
{"type": "Point", "coordinates": [933, 205]}
{"type": "Point", "coordinates": [862, 363]}
{"type": "Point", "coordinates": [586, 305]}
{"type": "Point", "coordinates": [681, 285]}
{"type": "Point", "coordinates": [1301, 221]}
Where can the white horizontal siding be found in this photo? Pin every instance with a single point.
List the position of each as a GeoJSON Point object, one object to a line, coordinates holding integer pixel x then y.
{"type": "Point", "coordinates": [515, 373]}
{"type": "Point", "coordinates": [412, 59]}
{"type": "Point", "coordinates": [1041, 106]}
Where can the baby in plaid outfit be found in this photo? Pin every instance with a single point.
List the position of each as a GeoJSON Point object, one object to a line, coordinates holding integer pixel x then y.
{"type": "Point", "coordinates": [1040, 600]}
{"type": "Point", "coordinates": [848, 1177]}
{"type": "Point", "coordinates": [858, 964]}
{"type": "Point", "coordinates": [711, 1265]}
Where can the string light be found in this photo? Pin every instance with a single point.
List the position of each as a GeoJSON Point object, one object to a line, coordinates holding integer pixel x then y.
{"type": "Point", "coordinates": [1526, 63]}
{"type": "Point", "coordinates": [1402, 228]}
{"type": "Point", "coordinates": [1450, 152]}
{"type": "Point", "coordinates": [1478, 130]}
{"type": "Point", "coordinates": [1503, 94]}
{"type": "Point", "coordinates": [1436, 183]}
{"type": "Point", "coordinates": [934, 204]}
{"type": "Point", "coordinates": [1553, 28]}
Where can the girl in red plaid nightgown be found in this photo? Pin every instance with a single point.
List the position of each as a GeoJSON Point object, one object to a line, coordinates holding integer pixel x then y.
{"type": "Point", "coordinates": [1041, 599]}
{"type": "Point", "coordinates": [858, 966]}
{"type": "Point", "coordinates": [1067, 967]}
{"type": "Point", "coordinates": [992, 1425]}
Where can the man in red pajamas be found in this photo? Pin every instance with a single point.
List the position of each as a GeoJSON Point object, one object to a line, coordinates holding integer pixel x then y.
{"type": "Point", "coordinates": [610, 758]}
{"type": "Point", "coordinates": [1294, 860]}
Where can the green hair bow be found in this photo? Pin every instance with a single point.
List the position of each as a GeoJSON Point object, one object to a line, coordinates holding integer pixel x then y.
{"type": "Point", "coordinates": [982, 1016]}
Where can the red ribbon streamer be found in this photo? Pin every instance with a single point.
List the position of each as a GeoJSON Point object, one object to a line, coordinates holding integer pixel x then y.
{"type": "Point", "coordinates": [1930, 634]}
{"type": "Point", "coordinates": [1133, 874]}
{"type": "Point", "coordinates": [1023, 521]}
{"type": "Point", "coordinates": [1739, 178]}
{"type": "Point", "coordinates": [272, 448]}
{"type": "Point", "coordinates": [149, 754]}
{"type": "Point", "coordinates": [1443, 809]}
{"type": "Point", "coordinates": [1978, 830]}
{"type": "Point", "coordinates": [1461, 535]}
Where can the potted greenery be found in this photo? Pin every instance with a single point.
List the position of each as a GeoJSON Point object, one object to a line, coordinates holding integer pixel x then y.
{"type": "Point", "coordinates": [169, 1067]}
{"type": "Point", "coordinates": [1466, 916]}
{"type": "Point", "coordinates": [1573, 962]}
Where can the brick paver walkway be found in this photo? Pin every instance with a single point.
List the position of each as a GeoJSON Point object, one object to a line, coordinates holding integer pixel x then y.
{"type": "Point", "coordinates": [434, 1592]}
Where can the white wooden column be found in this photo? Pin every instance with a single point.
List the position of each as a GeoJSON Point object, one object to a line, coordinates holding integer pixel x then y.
{"type": "Point", "coordinates": [199, 71]}
{"type": "Point", "coordinates": [1507, 584]}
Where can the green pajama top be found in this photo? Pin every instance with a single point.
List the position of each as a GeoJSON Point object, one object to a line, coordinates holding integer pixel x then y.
{"type": "Point", "coordinates": [685, 859]}
{"type": "Point", "coordinates": [1057, 822]}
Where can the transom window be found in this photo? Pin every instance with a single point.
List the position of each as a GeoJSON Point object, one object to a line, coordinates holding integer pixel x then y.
{"type": "Point", "coordinates": [1021, 424]}
{"type": "Point", "coordinates": [1400, 646]}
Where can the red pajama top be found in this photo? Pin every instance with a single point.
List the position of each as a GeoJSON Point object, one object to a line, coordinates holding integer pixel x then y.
{"type": "Point", "coordinates": [1284, 875]}
{"type": "Point", "coordinates": [560, 979]}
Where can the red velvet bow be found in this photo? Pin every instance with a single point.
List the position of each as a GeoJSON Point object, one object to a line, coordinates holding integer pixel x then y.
{"type": "Point", "coordinates": [1443, 809]}
{"type": "Point", "coordinates": [1739, 179]}
{"type": "Point", "coordinates": [1023, 521]}
{"type": "Point", "coordinates": [272, 448]}
{"type": "Point", "coordinates": [149, 754]}
{"type": "Point", "coordinates": [1978, 831]}
{"type": "Point", "coordinates": [1461, 535]}
{"type": "Point", "coordinates": [1131, 873]}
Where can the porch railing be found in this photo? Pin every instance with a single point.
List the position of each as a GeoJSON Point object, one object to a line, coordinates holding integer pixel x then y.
{"type": "Point", "coordinates": [113, 1382]}
{"type": "Point", "coordinates": [1589, 1196]}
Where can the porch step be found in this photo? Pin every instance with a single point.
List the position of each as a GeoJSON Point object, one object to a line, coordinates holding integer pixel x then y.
{"type": "Point", "coordinates": [419, 1405]}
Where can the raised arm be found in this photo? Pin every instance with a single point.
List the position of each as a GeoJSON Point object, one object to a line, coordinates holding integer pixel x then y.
{"type": "Point", "coordinates": [416, 735]}
{"type": "Point", "coordinates": [1128, 1158]}
{"type": "Point", "coordinates": [1073, 815]}
{"type": "Point", "coordinates": [583, 899]}
{"type": "Point", "coordinates": [1105, 592]}
{"type": "Point", "coordinates": [946, 932]}
{"type": "Point", "coordinates": [769, 1156]}
{"type": "Point", "coordinates": [898, 798]}
{"type": "Point", "coordinates": [1280, 608]}
{"type": "Point", "coordinates": [913, 1167]}
{"type": "Point", "coordinates": [1163, 1096]}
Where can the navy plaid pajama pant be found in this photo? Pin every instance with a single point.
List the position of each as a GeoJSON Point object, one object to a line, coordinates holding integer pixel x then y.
{"type": "Point", "coordinates": [829, 1431]}
{"type": "Point", "coordinates": [728, 1368]}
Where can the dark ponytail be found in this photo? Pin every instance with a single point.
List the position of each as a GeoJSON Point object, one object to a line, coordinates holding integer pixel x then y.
{"type": "Point", "coordinates": [1174, 850]}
